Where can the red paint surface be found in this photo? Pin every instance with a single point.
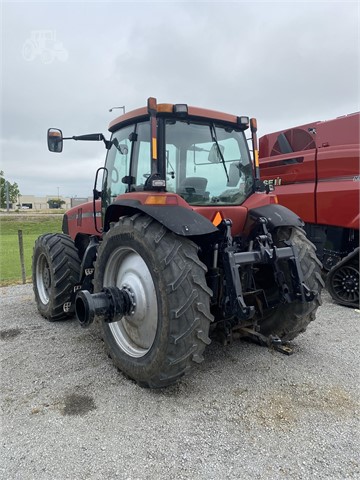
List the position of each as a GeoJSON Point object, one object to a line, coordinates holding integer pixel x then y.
{"type": "Point", "coordinates": [324, 187]}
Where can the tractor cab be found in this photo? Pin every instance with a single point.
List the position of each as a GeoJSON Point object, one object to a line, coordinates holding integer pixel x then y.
{"type": "Point", "coordinates": [204, 161]}
{"type": "Point", "coordinates": [181, 155]}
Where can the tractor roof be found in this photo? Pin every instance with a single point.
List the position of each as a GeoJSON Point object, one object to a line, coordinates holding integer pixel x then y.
{"type": "Point", "coordinates": [167, 108]}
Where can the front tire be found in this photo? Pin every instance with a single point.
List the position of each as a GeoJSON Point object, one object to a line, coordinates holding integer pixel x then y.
{"type": "Point", "coordinates": [166, 332]}
{"type": "Point", "coordinates": [55, 271]}
{"type": "Point", "coordinates": [288, 320]}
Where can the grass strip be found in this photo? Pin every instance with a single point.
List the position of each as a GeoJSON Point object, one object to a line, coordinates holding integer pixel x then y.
{"type": "Point", "coordinates": [32, 227]}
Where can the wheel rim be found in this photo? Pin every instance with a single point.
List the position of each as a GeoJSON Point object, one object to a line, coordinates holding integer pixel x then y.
{"type": "Point", "coordinates": [43, 279]}
{"type": "Point", "coordinates": [345, 284]}
{"type": "Point", "coordinates": [134, 333]}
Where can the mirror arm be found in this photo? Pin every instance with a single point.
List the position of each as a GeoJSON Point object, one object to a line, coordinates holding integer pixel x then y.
{"type": "Point", "coordinates": [107, 143]}
{"type": "Point", "coordinates": [95, 137]}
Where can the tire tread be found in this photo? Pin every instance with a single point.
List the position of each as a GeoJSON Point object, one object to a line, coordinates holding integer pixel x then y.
{"type": "Point", "coordinates": [64, 264]}
{"type": "Point", "coordinates": [187, 296]}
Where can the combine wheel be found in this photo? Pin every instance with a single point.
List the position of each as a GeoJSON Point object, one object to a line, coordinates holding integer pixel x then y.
{"type": "Point", "coordinates": [289, 320]}
{"type": "Point", "coordinates": [166, 332]}
{"type": "Point", "coordinates": [342, 281]}
{"type": "Point", "coordinates": [55, 271]}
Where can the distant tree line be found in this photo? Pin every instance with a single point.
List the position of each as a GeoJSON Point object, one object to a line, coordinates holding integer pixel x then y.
{"type": "Point", "coordinates": [55, 202]}
{"type": "Point", "coordinates": [12, 188]}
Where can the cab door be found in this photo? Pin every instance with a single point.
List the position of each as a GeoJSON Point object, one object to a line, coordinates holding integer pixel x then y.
{"type": "Point", "coordinates": [118, 163]}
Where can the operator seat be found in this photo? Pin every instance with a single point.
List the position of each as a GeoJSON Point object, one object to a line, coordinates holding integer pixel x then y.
{"type": "Point", "coordinates": [193, 189]}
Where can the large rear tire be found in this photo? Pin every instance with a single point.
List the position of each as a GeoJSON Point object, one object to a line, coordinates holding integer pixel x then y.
{"type": "Point", "coordinates": [55, 271]}
{"type": "Point", "coordinates": [167, 331]}
{"type": "Point", "coordinates": [288, 320]}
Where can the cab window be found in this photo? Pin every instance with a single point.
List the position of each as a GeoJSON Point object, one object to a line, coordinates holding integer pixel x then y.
{"type": "Point", "coordinates": [118, 163]}
{"type": "Point", "coordinates": [141, 162]}
{"type": "Point", "coordinates": [207, 163]}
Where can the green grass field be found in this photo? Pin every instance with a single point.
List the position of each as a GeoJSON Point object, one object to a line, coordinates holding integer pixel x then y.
{"type": "Point", "coordinates": [32, 227]}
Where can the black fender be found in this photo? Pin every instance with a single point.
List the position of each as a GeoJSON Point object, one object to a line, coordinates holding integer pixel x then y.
{"type": "Point", "coordinates": [179, 220]}
{"type": "Point", "coordinates": [276, 216]}
{"type": "Point", "coordinates": [65, 224]}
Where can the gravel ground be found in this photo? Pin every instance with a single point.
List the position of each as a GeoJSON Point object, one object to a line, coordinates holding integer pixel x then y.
{"type": "Point", "coordinates": [246, 413]}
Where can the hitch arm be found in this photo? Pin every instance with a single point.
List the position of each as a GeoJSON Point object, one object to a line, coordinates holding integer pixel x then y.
{"type": "Point", "coordinates": [235, 304]}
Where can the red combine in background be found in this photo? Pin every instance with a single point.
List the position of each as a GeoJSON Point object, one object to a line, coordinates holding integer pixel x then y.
{"type": "Point", "coordinates": [315, 169]}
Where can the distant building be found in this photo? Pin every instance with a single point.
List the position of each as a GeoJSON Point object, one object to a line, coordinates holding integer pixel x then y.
{"type": "Point", "coordinates": [78, 201]}
{"type": "Point", "coordinates": [31, 202]}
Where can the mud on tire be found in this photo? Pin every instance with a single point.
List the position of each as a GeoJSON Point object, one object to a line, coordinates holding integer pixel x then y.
{"type": "Point", "coordinates": [289, 320]}
{"type": "Point", "coordinates": [55, 271]}
{"type": "Point", "coordinates": [167, 331]}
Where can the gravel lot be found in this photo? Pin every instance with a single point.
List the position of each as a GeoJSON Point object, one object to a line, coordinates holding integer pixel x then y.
{"type": "Point", "coordinates": [246, 413]}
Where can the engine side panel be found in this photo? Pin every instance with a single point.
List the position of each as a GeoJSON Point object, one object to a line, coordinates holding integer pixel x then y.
{"type": "Point", "coordinates": [80, 219]}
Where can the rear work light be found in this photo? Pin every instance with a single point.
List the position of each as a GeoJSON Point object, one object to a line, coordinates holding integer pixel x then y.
{"type": "Point", "coordinates": [243, 121]}
{"type": "Point", "coordinates": [181, 109]}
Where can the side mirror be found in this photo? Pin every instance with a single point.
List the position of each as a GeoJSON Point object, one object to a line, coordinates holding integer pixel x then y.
{"type": "Point", "coordinates": [55, 140]}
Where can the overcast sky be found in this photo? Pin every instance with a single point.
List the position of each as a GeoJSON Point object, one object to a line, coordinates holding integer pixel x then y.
{"type": "Point", "coordinates": [285, 63]}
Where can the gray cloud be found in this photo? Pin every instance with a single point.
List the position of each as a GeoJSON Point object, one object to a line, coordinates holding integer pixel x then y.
{"type": "Point", "coordinates": [285, 63]}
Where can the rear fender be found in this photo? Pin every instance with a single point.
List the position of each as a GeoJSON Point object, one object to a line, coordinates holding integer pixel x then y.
{"type": "Point", "coordinates": [276, 216]}
{"type": "Point", "coordinates": [176, 218]}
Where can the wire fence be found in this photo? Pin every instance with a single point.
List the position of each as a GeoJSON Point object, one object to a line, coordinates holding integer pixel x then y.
{"type": "Point", "coordinates": [18, 233]}
{"type": "Point", "coordinates": [16, 259]}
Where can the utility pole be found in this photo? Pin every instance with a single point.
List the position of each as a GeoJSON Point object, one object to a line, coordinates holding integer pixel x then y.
{"type": "Point", "coordinates": [7, 196]}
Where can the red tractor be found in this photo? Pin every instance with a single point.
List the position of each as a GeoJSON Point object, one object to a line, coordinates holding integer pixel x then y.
{"type": "Point", "coordinates": [181, 243]}
{"type": "Point", "coordinates": [315, 168]}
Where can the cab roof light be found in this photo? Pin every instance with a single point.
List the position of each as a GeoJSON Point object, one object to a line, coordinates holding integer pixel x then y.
{"type": "Point", "coordinates": [243, 121]}
{"type": "Point", "coordinates": [181, 109]}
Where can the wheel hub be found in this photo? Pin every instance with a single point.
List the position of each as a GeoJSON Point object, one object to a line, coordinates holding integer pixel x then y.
{"type": "Point", "coordinates": [345, 284]}
{"type": "Point", "coordinates": [132, 297]}
{"type": "Point", "coordinates": [43, 279]}
{"type": "Point", "coordinates": [135, 332]}
{"type": "Point", "coordinates": [46, 277]}
{"type": "Point", "coordinates": [349, 283]}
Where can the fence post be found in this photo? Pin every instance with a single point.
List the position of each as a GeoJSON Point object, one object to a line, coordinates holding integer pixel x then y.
{"type": "Point", "coordinates": [21, 250]}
